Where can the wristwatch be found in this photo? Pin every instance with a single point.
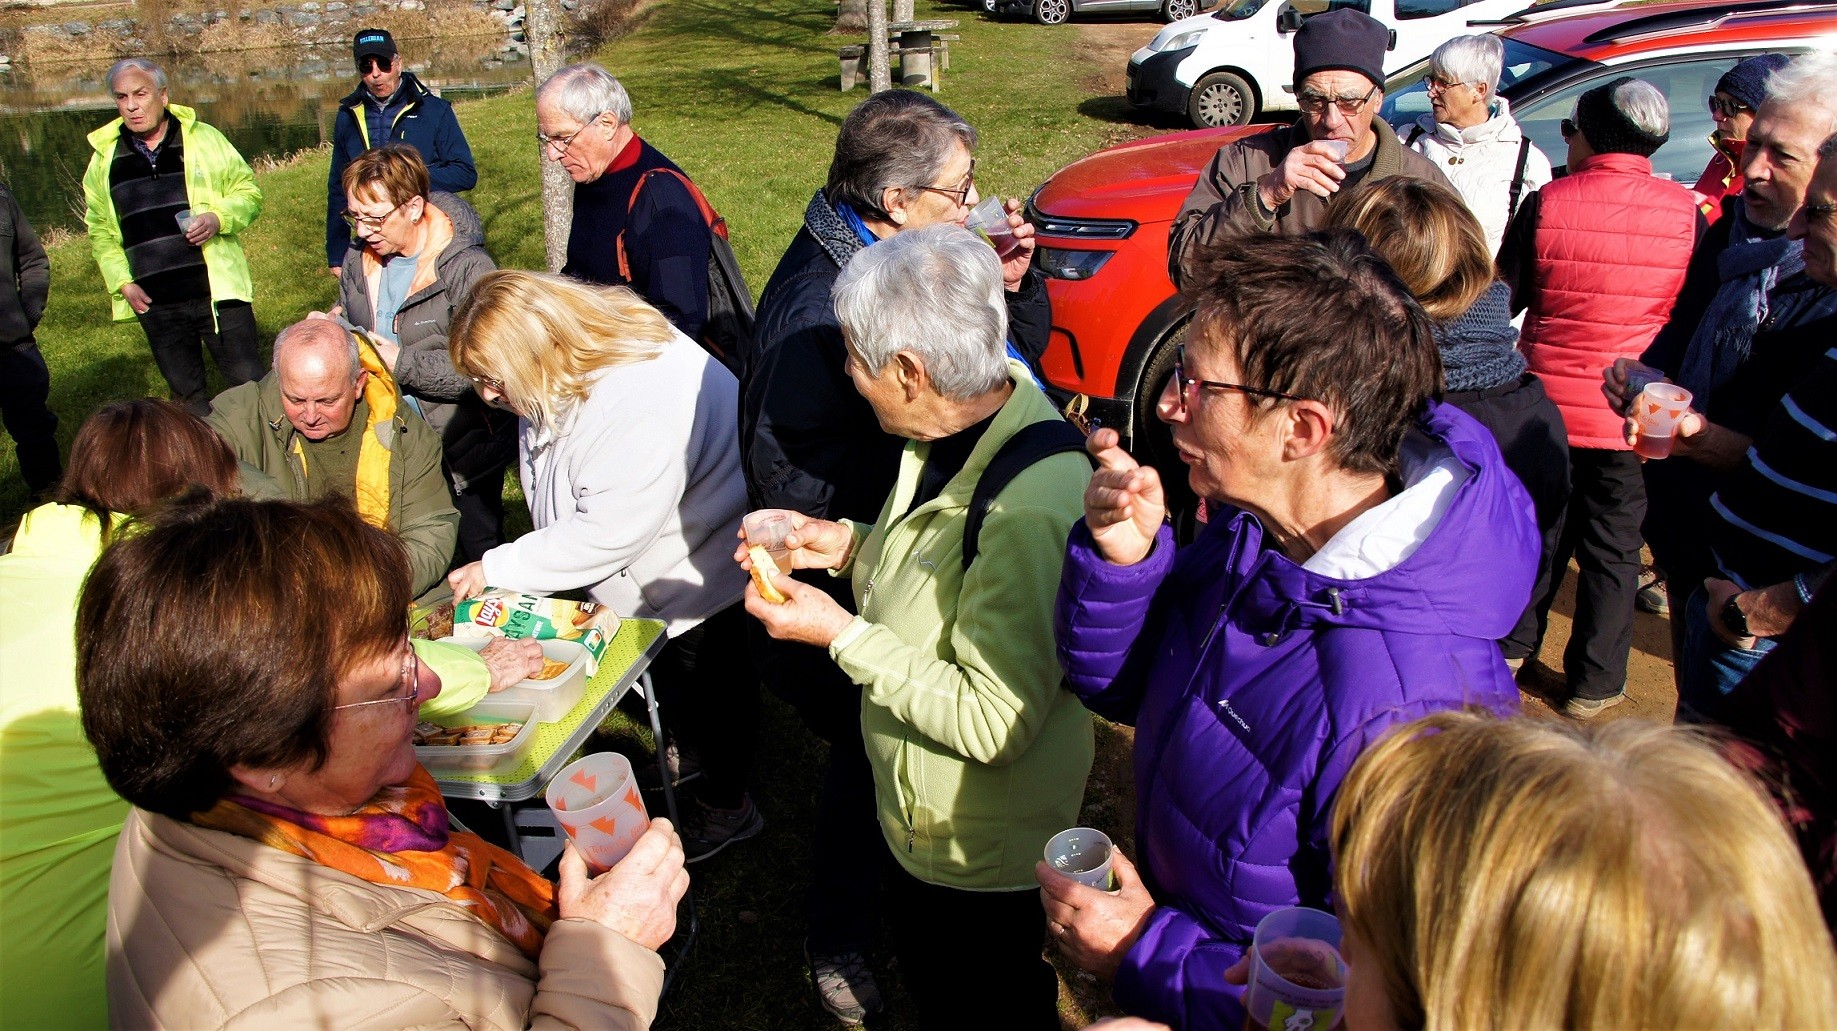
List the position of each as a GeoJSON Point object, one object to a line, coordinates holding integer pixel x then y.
{"type": "Point", "coordinates": [1733, 619]}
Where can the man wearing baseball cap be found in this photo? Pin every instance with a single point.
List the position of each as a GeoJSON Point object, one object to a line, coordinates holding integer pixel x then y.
{"type": "Point", "coordinates": [390, 105]}
{"type": "Point", "coordinates": [1281, 181]}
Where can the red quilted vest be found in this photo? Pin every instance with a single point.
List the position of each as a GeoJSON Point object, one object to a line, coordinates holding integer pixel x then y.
{"type": "Point", "coordinates": [1612, 244]}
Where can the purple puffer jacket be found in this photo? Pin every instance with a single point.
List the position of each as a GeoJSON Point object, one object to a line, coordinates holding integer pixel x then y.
{"type": "Point", "coordinates": [1253, 685]}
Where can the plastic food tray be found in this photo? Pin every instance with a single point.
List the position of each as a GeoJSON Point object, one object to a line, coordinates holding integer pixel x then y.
{"type": "Point", "coordinates": [475, 759]}
{"type": "Point", "coordinates": [553, 698]}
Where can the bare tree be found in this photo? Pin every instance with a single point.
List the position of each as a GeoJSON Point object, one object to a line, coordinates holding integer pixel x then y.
{"type": "Point", "coordinates": [902, 10]}
{"type": "Point", "coordinates": [851, 18]}
{"type": "Point", "coordinates": [543, 25]}
{"type": "Point", "coordinates": [879, 75]}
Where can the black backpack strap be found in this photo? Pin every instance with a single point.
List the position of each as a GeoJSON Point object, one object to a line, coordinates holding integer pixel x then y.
{"type": "Point", "coordinates": [1524, 154]}
{"type": "Point", "coordinates": [1032, 444]}
{"type": "Point", "coordinates": [1415, 134]}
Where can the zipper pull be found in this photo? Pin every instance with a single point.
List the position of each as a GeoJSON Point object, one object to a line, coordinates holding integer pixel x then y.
{"type": "Point", "coordinates": [910, 835]}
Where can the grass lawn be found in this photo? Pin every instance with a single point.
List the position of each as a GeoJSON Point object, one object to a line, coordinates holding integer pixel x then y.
{"type": "Point", "coordinates": [745, 99]}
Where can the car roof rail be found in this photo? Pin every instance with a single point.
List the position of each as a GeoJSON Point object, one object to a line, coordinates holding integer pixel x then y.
{"type": "Point", "coordinates": [1666, 20]}
{"type": "Point", "coordinates": [1539, 12]}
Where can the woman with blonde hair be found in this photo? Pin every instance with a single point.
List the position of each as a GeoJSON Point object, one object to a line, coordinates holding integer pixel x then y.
{"type": "Point", "coordinates": [1427, 235]}
{"type": "Point", "coordinates": [629, 464]}
{"type": "Point", "coordinates": [1519, 874]}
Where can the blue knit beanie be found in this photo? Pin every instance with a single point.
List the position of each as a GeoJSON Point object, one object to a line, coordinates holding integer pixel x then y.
{"type": "Point", "coordinates": [1747, 81]}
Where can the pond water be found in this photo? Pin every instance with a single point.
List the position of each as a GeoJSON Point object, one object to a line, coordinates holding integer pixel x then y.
{"type": "Point", "coordinates": [270, 103]}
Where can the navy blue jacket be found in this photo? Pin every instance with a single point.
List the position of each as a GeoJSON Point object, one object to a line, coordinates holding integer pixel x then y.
{"type": "Point", "coordinates": [426, 124]}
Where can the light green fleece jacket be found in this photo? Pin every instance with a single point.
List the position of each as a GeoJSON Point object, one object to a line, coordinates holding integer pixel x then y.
{"type": "Point", "coordinates": [979, 755]}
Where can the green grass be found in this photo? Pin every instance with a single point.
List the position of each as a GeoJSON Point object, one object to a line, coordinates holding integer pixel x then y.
{"type": "Point", "coordinates": [745, 99]}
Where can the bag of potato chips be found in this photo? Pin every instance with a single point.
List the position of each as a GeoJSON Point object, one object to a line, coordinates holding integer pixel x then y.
{"type": "Point", "coordinates": [501, 613]}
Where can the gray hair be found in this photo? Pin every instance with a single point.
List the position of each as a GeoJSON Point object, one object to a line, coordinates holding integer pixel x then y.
{"type": "Point", "coordinates": [318, 334]}
{"type": "Point", "coordinates": [137, 64]}
{"type": "Point", "coordinates": [898, 139]}
{"type": "Point", "coordinates": [937, 293]}
{"type": "Point", "coordinates": [585, 92]}
{"type": "Point", "coordinates": [1644, 106]}
{"type": "Point", "coordinates": [1478, 58]}
{"type": "Point", "coordinates": [1807, 80]}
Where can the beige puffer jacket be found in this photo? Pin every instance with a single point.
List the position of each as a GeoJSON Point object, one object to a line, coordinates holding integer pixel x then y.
{"type": "Point", "coordinates": [210, 930]}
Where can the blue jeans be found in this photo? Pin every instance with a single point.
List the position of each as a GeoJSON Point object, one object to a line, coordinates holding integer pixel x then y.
{"type": "Point", "coordinates": [1710, 668]}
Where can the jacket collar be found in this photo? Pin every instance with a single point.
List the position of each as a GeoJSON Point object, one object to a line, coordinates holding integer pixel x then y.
{"type": "Point", "coordinates": [362, 906]}
{"type": "Point", "coordinates": [103, 140]}
{"type": "Point", "coordinates": [829, 231]}
{"type": "Point", "coordinates": [1024, 407]}
{"type": "Point", "coordinates": [416, 91]}
{"type": "Point", "coordinates": [1499, 127]}
{"type": "Point", "coordinates": [1617, 162]}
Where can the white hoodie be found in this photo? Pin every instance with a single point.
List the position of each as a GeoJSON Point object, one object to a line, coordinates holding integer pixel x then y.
{"type": "Point", "coordinates": [1479, 161]}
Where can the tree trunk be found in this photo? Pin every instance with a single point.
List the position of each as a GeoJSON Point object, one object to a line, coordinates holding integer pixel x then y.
{"type": "Point", "coordinates": [851, 18]}
{"type": "Point", "coordinates": [543, 25]}
{"type": "Point", "coordinates": [879, 75]}
{"type": "Point", "coordinates": [902, 10]}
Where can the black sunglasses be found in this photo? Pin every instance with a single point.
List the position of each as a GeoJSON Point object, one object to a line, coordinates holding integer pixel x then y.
{"type": "Point", "coordinates": [1726, 108]}
{"type": "Point", "coordinates": [1568, 128]}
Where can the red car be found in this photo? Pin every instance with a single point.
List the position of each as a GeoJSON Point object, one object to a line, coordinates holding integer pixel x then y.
{"type": "Point", "coordinates": [1103, 220]}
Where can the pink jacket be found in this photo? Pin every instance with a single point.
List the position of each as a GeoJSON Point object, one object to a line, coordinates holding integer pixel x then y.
{"type": "Point", "coordinates": [210, 930]}
{"type": "Point", "coordinates": [1611, 247]}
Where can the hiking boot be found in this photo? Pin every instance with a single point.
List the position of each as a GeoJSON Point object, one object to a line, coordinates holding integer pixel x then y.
{"type": "Point", "coordinates": [1652, 596]}
{"type": "Point", "coordinates": [844, 984]}
{"type": "Point", "coordinates": [1589, 708]}
{"type": "Point", "coordinates": [707, 830]}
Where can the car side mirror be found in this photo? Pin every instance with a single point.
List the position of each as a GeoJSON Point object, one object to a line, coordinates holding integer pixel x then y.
{"type": "Point", "coordinates": [1290, 21]}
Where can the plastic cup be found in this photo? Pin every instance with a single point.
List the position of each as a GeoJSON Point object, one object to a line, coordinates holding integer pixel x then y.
{"type": "Point", "coordinates": [1084, 854]}
{"type": "Point", "coordinates": [1297, 978]}
{"type": "Point", "coordinates": [1340, 149]}
{"type": "Point", "coordinates": [1656, 413]}
{"type": "Point", "coordinates": [989, 220]}
{"type": "Point", "coordinates": [768, 528]}
{"type": "Point", "coordinates": [184, 219]}
{"type": "Point", "coordinates": [596, 800]}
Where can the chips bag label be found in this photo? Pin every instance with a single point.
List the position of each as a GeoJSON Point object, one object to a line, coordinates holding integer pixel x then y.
{"type": "Point", "coordinates": [501, 613]}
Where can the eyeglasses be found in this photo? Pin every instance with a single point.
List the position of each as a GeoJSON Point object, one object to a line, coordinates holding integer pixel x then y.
{"type": "Point", "coordinates": [369, 221]}
{"type": "Point", "coordinates": [961, 194]}
{"type": "Point", "coordinates": [546, 141]}
{"type": "Point", "coordinates": [487, 381]}
{"type": "Point", "coordinates": [1568, 128]}
{"type": "Point", "coordinates": [1314, 102]}
{"type": "Point", "coordinates": [1726, 108]}
{"type": "Point", "coordinates": [1435, 85]}
{"type": "Point", "coordinates": [411, 687]}
{"type": "Point", "coordinates": [1185, 385]}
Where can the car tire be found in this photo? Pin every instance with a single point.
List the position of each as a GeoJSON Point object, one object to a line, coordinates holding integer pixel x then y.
{"type": "Point", "coordinates": [1052, 12]}
{"type": "Point", "coordinates": [988, 6]}
{"type": "Point", "coordinates": [1152, 443]}
{"type": "Point", "coordinates": [1220, 99]}
{"type": "Point", "coordinates": [1174, 10]}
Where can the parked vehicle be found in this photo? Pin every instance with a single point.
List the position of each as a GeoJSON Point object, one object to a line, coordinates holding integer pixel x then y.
{"type": "Point", "coordinates": [1234, 65]}
{"type": "Point", "coordinates": [1057, 12]}
{"type": "Point", "coordinates": [1103, 221]}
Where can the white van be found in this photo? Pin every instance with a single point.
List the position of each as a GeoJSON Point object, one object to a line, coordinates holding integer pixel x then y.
{"type": "Point", "coordinates": [1234, 65]}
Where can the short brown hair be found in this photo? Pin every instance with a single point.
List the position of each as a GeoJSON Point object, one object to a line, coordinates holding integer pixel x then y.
{"type": "Point", "coordinates": [1322, 317]}
{"type": "Point", "coordinates": [1525, 873]}
{"type": "Point", "coordinates": [1427, 235]}
{"type": "Point", "coordinates": [217, 637]}
{"type": "Point", "coordinates": [393, 172]}
{"type": "Point", "coordinates": [131, 455]}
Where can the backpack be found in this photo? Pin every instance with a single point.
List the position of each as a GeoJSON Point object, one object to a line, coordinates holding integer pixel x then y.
{"type": "Point", "coordinates": [1032, 444]}
{"type": "Point", "coordinates": [727, 334]}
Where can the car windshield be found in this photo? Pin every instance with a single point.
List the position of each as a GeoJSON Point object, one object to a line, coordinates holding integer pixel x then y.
{"type": "Point", "coordinates": [1406, 95]}
{"type": "Point", "coordinates": [1238, 10]}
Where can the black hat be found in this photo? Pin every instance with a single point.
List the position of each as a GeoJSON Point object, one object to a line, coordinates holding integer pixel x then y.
{"type": "Point", "coordinates": [1747, 81]}
{"type": "Point", "coordinates": [1344, 38]}
{"type": "Point", "coordinates": [1607, 128]}
{"type": "Point", "coordinates": [372, 43]}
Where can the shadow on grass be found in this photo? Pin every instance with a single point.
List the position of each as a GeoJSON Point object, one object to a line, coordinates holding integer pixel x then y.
{"type": "Point", "coordinates": [741, 88]}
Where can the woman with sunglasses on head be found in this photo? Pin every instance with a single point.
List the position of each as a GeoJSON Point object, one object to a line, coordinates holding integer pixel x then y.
{"type": "Point", "coordinates": [1368, 551]}
{"type": "Point", "coordinates": [418, 254]}
{"type": "Point", "coordinates": [1739, 93]}
{"type": "Point", "coordinates": [287, 860]}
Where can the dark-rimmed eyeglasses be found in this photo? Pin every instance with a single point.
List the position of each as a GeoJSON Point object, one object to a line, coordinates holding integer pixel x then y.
{"type": "Point", "coordinates": [1567, 128]}
{"type": "Point", "coordinates": [1314, 101]}
{"type": "Point", "coordinates": [545, 141]}
{"type": "Point", "coordinates": [1726, 108]}
{"type": "Point", "coordinates": [961, 193]}
{"type": "Point", "coordinates": [411, 687]}
{"type": "Point", "coordinates": [1184, 384]}
{"type": "Point", "coordinates": [369, 221]}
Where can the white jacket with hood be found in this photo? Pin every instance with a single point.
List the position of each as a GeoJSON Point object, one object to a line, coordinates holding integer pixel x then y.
{"type": "Point", "coordinates": [1480, 162]}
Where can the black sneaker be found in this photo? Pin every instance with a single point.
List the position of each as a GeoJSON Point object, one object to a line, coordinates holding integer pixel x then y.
{"type": "Point", "coordinates": [844, 984]}
{"type": "Point", "coordinates": [706, 830]}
